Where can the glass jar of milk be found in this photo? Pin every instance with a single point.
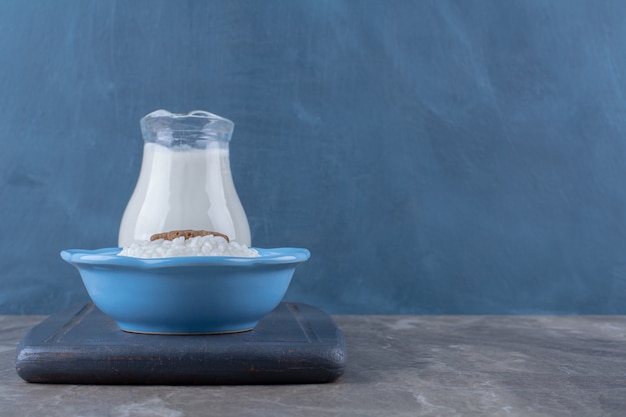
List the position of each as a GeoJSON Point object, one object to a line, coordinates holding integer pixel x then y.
{"type": "Point", "coordinates": [185, 180]}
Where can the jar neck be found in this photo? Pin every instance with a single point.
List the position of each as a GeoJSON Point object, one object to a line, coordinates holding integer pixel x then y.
{"type": "Point", "coordinates": [186, 144]}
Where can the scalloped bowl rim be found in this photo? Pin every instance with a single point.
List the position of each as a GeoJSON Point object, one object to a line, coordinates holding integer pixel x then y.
{"type": "Point", "coordinates": [108, 256]}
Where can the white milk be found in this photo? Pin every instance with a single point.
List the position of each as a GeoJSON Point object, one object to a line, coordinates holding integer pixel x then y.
{"type": "Point", "coordinates": [184, 189]}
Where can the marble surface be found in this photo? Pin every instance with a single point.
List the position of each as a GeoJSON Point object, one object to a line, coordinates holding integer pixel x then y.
{"type": "Point", "coordinates": [397, 366]}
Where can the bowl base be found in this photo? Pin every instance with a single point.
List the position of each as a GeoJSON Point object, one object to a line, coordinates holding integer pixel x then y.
{"type": "Point", "coordinates": [183, 329]}
{"type": "Point", "coordinates": [194, 333]}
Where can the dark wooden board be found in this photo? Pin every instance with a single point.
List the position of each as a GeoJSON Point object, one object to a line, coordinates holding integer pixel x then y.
{"type": "Point", "coordinates": [295, 343]}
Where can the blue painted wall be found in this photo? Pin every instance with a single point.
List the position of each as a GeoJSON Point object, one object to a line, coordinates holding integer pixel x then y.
{"type": "Point", "coordinates": [435, 156]}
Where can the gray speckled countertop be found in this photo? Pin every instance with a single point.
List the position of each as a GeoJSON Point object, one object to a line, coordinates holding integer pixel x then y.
{"type": "Point", "coordinates": [397, 366]}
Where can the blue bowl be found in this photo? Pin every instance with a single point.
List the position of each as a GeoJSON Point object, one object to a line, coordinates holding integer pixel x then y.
{"type": "Point", "coordinates": [186, 295]}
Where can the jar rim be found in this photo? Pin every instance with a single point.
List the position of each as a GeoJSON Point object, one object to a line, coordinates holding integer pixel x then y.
{"type": "Point", "coordinates": [165, 126]}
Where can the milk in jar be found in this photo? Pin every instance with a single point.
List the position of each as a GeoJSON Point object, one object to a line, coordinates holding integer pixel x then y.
{"type": "Point", "coordinates": [185, 180]}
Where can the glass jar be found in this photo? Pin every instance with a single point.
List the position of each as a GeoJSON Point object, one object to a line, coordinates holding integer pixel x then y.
{"type": "Point", "coordinates": [185, 180]}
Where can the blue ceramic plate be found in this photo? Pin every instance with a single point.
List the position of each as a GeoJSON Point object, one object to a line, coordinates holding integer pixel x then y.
{"type": "Point", "coordinates": [186, 295]}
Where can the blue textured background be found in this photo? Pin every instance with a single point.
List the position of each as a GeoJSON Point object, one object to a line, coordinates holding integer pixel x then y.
{"type": "Point", "coordinates": [434, 156]}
